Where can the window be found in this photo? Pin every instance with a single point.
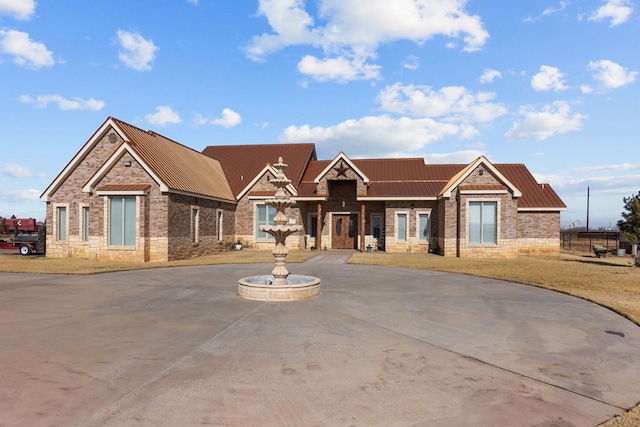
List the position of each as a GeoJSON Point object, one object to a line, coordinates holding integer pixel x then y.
{"type": "Point", "coordinates": [264, 216]}
{"type": "Point", "coordinates": [122, 220]}
{"type": "Point", "coordinates": [195, 224]}
{"type": "Point", "coordinates": [423, 227]}
{"type": "Point", "coordinates": [377, 226]}
{"type": "Point", "coordinates": [313, 226]}
{"type": "Point", "coordinates": [220, 224]}
{"type": "Point", "coordinates": [61, 223]}
{"type": "Point", "coordinates": [483, 225]}
{"type": "Point", "coordinates": [85, 224]}
{"type": "Point", "coordinates": [401, 221]}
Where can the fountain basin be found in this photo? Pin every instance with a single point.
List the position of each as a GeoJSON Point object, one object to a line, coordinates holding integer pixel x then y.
{"type": "Point", "coordinates": [297, 287]}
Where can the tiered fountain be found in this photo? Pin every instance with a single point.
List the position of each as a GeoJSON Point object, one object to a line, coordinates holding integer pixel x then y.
{"type": "Point", "coordinates": [280, 285]}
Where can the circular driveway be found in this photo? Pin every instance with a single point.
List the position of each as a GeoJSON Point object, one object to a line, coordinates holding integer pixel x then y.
{"type": "Point", "coordinates": [378, 347]}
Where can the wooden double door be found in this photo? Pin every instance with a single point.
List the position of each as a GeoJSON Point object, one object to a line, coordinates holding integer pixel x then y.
{"type": "Point", "coordinates": [344, 231]}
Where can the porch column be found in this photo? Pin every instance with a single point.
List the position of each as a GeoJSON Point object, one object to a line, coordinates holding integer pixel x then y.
{"type": "Point", "coordinates": [319, 227]}
{"type": "Point", "coordinates": [362, 224]}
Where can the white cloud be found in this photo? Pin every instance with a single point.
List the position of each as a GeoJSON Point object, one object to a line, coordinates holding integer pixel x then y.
{"type": "Point", "coordinates": [64, 104]}
{"type": "Point", "coordinates": [553, 119]}
{"type": "Point", "coordinates": [137, 52]}
{"type": "Point", "coordinates": [163, 115]}
{"type": "Point", "coordinates": [586, 89]}
{"type": "Point", "coordinates": [228, 119]}
{"type": "Point", "coordinates": [16, 171]}
{"type": "Point", "coordinates": [25, 51]}
{"type": "Point", "coordinates": [457, 157]}
{"type": "Point", "coordinates": [551, 10]}
{"type": "Point", "coordinates": [19, 196]}
{"type": "Point", "coordinates": [340, 69]}
{"type": "Point", "coordinates": [549, 78]}
{"type": "Point", "coordinates": [451, 103]}
{"type": "Point", "coordinates": [353, 30]}
{"type": "Point", "coordinates": [377, 136]}
{"type": "Point", "coordinates": [607, 168]}
{"type": "Point", "coordinates": [411, 63]}
{"type": "Point", "coordinates": [618, 11]}
{"type": "Point", "coordinates": [489, 75]}
{"type": "Point", "coordinates": [21, 10]}
{"type": "Point", "coordinates": [610, 74]}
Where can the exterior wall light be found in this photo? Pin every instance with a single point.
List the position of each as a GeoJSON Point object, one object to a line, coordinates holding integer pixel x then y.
{"type": "Point", "coordinates": [127, 163]}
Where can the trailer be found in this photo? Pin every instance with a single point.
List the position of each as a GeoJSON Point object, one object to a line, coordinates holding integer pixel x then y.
{"type": "Point", "coordinates": [29, 237]}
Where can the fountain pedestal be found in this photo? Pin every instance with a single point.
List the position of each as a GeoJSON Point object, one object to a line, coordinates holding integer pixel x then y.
{"type": "Point", "coordinates": [280, 286]}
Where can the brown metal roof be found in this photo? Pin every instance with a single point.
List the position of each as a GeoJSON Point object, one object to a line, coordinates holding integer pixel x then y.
{"type": "Point", "coordinates": [483, 187]}
{"type": "Point", "coordinates": [179, 167]}
{"type": "Point", "coordinates": [124, 187]}
{"type": "Point", "coordinates": [534, 195]}
{"type": "Point", "coordinates": [242, 163]}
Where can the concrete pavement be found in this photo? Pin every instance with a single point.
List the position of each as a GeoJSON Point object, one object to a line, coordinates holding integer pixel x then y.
{"type": "Point", "coordinates": [379, 347]}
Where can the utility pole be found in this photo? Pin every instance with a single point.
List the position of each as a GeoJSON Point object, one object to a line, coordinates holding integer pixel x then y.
{"type": "Point", "coordinates": [587, 208]}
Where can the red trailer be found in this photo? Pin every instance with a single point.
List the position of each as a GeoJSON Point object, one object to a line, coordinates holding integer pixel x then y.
{"type": "Point", "coordinates": [22, 225]}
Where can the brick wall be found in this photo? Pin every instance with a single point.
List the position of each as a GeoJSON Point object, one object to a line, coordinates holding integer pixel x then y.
{"type": "Point", "coordinates": [539, 233]}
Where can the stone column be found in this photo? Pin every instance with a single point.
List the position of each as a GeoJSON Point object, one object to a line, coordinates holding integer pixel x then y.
{"type": "Point", "coordinates": [362, 225]}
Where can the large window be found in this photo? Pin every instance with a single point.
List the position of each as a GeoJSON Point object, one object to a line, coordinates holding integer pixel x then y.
{"type": "Point", "coordinates": [423, 227]}
{"type": "Point", "coordinates": [264, 216]}
{"type": "Point", "coordinates": [61, 223]}
{"type": "Point", "coordinates": [401, 220]}
{"type": "Point", "coordinates": [122, 220]}
{"type": "Point", "coordinates": [483, 223]}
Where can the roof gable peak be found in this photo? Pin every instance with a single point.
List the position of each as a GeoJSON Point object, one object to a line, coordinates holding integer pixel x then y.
{"type": "Point", "coordinates": [341, 157]}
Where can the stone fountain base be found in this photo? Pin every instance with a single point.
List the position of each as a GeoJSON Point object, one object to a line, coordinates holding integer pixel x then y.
{"type": "Point", "coordinates": [297, 287]}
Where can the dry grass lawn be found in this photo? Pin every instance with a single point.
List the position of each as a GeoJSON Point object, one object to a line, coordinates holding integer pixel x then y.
{"type": "Point", "coordinates": [611, 282]}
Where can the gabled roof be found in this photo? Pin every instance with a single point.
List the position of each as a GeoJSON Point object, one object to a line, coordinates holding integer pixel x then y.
{"type": "Point", "coordinates": [341, 157]}
{"type": "Point", "coordinates": [458, 178]}
{"type": "Point", "coordinates": [175, 167]}
{"type": "Point", "coordinates": [243, 163]}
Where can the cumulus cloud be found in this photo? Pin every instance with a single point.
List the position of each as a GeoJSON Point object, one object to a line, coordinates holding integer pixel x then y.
{"type": "Point", "coordinates": [618, 11]}
{"type": "Point", "coordinates": [25, 51]}
{"type": "Point", "coordinates": [136, 52]}
{"type": "Point", "coordinates": [163, 115]}
{"type": "Point", "coordinates": [21, 10]}
{"type": "Point", "coordinates": [489, 75]}
{"type": "Point", "coordinates": [548, 78]}
{"type": "Point", "coordinates": [16, 171]}
{"type": "Point", "coordinates": [451, 103]}
{"type": "Point", "coordinates": [553, 119]}
{"type": "Point", "coordinates": [611, 74]}
{"type": "Point", "coordinates": [42, 101]}
{"type": "Point", "coordinates": [390, 136]}
{"type": "Point", "coordinates": [341, 69]}
{"type": "Point", "coordinates": [350, 32]}
{"type": "Point", "coordinates": [228, 119]}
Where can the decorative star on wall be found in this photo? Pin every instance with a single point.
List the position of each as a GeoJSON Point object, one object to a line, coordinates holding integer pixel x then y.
{"type": "Point", "coordinates": [342, 171]}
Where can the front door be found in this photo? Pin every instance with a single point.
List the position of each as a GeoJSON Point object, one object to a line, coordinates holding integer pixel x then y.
{"type": "Point", "coordinates": [345, 231]}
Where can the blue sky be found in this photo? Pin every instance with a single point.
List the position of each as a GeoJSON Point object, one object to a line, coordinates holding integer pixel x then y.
{"type": "Point", "coordinates": [551, 84]}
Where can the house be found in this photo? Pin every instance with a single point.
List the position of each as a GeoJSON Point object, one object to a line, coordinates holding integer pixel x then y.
{"type": "Point", "coordinates": [187, 202]}
{"type": "Point", "coordinates": [134, 195]}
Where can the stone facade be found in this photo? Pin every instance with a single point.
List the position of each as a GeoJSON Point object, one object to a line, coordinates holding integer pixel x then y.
{"type": "Point", "coordinates": [164, 228]}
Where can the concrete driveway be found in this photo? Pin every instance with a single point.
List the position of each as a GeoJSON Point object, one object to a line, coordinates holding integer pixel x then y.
{"type": "Point", "coordinates": [378, 347]}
